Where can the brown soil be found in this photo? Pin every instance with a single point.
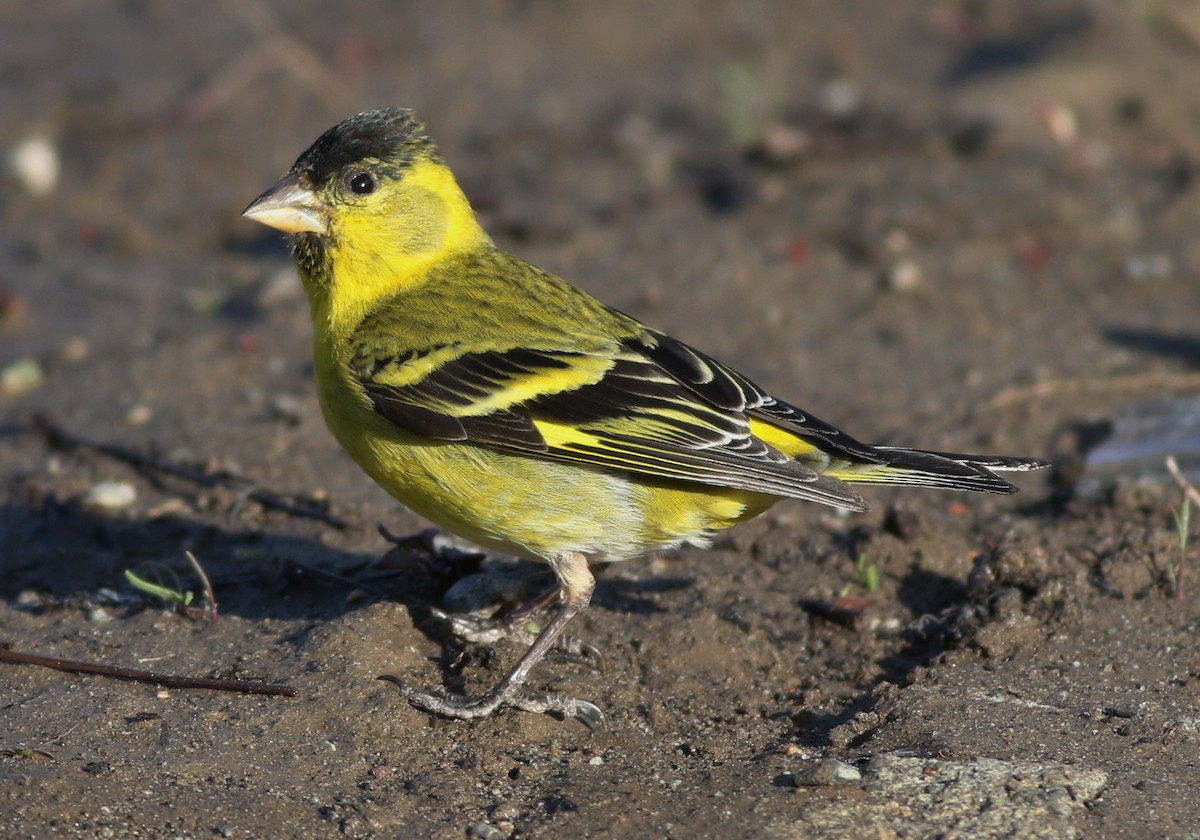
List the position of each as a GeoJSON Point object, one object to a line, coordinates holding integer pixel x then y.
{"type": "Point", "coordinates": [954, 225]}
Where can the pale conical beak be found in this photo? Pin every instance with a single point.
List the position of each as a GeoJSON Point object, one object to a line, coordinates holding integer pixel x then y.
{"type": "Point", "coordinates": [290, 207]}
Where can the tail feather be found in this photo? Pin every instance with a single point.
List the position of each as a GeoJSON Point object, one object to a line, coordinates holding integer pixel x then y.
{"type": "Point", "coordinates": [916, 467]}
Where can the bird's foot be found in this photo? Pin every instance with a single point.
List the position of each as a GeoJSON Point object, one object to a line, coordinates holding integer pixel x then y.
{"type": "Point", "coordinates": [488, 631]}
{"type": "Point", "coordinates": [469, 708]}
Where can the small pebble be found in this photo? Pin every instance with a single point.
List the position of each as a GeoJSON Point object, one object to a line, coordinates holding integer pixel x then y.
{"type": "Point", "coordinates": [34, 162]}
{"type": "Point", "coordinates": [839, 98]}
{"type": "Point", "coordinates": [104, 595]}
{"type": "Point", "coordinates": [904, 276]}
{"type": "Point", "coordinates": [827, 772]}
{"type": "Point", "coordinates": [784, 143]}
{"type": "Point", "coordinates": [1142, 267]}
{"type": "Point", "coordinates": [139, 415]}
{"type": "Point", "coordinates": [595, 761]}
{"type": "Point", "coordinates": [170, 507]}
{"type": "Point", "coordinates": [98, 615]}
{"type": "Point", "coordinates": [21, 377]}
{"type": "Point", "coordinates": [289, 409]}
{"type": "Point", "coordinates": [484, 831]}
{"type": "Point", "coordinates": [74, 350]}
{"type": "Point", "coordinates": [1060, 120]}
{"type": "Point", "coordinates": [28, 599]}
{"type": "Point", "coordinates": [110, 495]}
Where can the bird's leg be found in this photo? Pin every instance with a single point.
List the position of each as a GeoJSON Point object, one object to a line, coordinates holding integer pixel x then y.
{"type": "Point", "coordinates": [520, 616]}
{"type": "Point", "coordinates": [513, 625]}
{"type": "Point", "coordinates": [576, 585]}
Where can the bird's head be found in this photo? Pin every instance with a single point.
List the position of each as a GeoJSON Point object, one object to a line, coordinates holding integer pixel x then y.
{"type": "Point", "coordinates": [369, 205]}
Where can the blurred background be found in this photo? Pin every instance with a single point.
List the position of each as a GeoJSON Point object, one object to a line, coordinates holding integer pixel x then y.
{"type": "Point", "coordinates": [953, 224]}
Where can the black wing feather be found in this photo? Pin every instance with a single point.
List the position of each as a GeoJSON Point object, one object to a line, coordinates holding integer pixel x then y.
{"type": "Point", "coordinates": [688, 412]}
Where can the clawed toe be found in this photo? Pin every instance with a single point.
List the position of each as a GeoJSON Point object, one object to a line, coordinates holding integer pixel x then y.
{"type": "Point", "coordinates": [575, 588]}
{"type": "Point", "coordinates": [468, 708]}
{"type": "Point", "coordinates": [559, 705]}
{"type": "Point", "coordinates": [487, 631]}
{"type": "Point", "coordinates": [519, 625]}
{"type": "Point", "coordinates": [575, 647]}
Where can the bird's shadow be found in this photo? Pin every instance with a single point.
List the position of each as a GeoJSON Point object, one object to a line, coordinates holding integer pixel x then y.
{"type": "Point", "coordinates": [65, 553]}
{"type": "Point", "coordinates": [1185, 348]}
{"type": "Point", "coordinates": [61, 555]}
{"type": "Point", "coordinates": [934, 602]}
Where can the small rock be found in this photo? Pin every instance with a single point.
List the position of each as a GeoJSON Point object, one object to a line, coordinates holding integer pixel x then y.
{"type": "Point", "coordinates": [28, 599]}
{"type": "Point", "coordinates": [74, 350]}
{"type": "Point", "coordinates": [110, 495]}
{"type": "Point", "coordinates": [291, 410]}
{"type": "Point", "coordinates": [21, 377]}
{"type": "Point", "coordinates": [1148, 786]}
{"type": "Point", "coordinates": [485, 831]}
{"type": "Point", "coordinates": [34, 163]}
{"type": "Point", "coordinates": [139, 415]}
{"type": "Point", "coordinates": [839, 98]}
{"type": "Point", "coordinates": [170, 507]}
{"type": "Point", "coordinates": [904, 276]}
{"type": "Point", "coordinates": [1060, 120]}
{"type": "Point", "coordinates": [825, 773]}
{"type": "Point", "coordinates": [784, 143]}
{"type": "Point", "coordinates": [1143, 267]}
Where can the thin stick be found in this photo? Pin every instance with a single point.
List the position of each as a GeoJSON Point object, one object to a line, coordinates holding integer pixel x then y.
{"type": "Point", "coordinates": [168, 680]}
{"type": "Point", "coordinates": [1186, 486]}
{"type": "Point", "coordinates": [1055, 387]}
{"type": "Point", "coordinates": [60, 438]}
{"type": "Point", "coordinates": [1193, 496]}
{"type": "Point", "coordinates": [208, 590]}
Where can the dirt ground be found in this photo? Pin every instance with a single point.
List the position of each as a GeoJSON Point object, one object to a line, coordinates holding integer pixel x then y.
{"type": "Point", "coordinates": [958, 225]}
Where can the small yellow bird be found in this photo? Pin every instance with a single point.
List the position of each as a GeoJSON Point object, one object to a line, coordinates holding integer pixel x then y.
{"type": "Point", "coordinates": [511, 408]}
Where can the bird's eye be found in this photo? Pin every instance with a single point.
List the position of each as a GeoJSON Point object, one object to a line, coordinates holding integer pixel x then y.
{"type": "Point", "coordinates": [362, 184]}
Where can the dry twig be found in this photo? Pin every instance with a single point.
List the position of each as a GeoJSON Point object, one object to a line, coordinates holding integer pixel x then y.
{"type": "Point", "coordinates": [1192, 497]}
{"type": "Point", "coordinates": [208, 589]}
{"type": "Point", "coordinates": [1186, 486]}
{"type": "Point", "coordinates": [1058, 387]}
{"type": "Point", "coordinates": [168, 680]}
